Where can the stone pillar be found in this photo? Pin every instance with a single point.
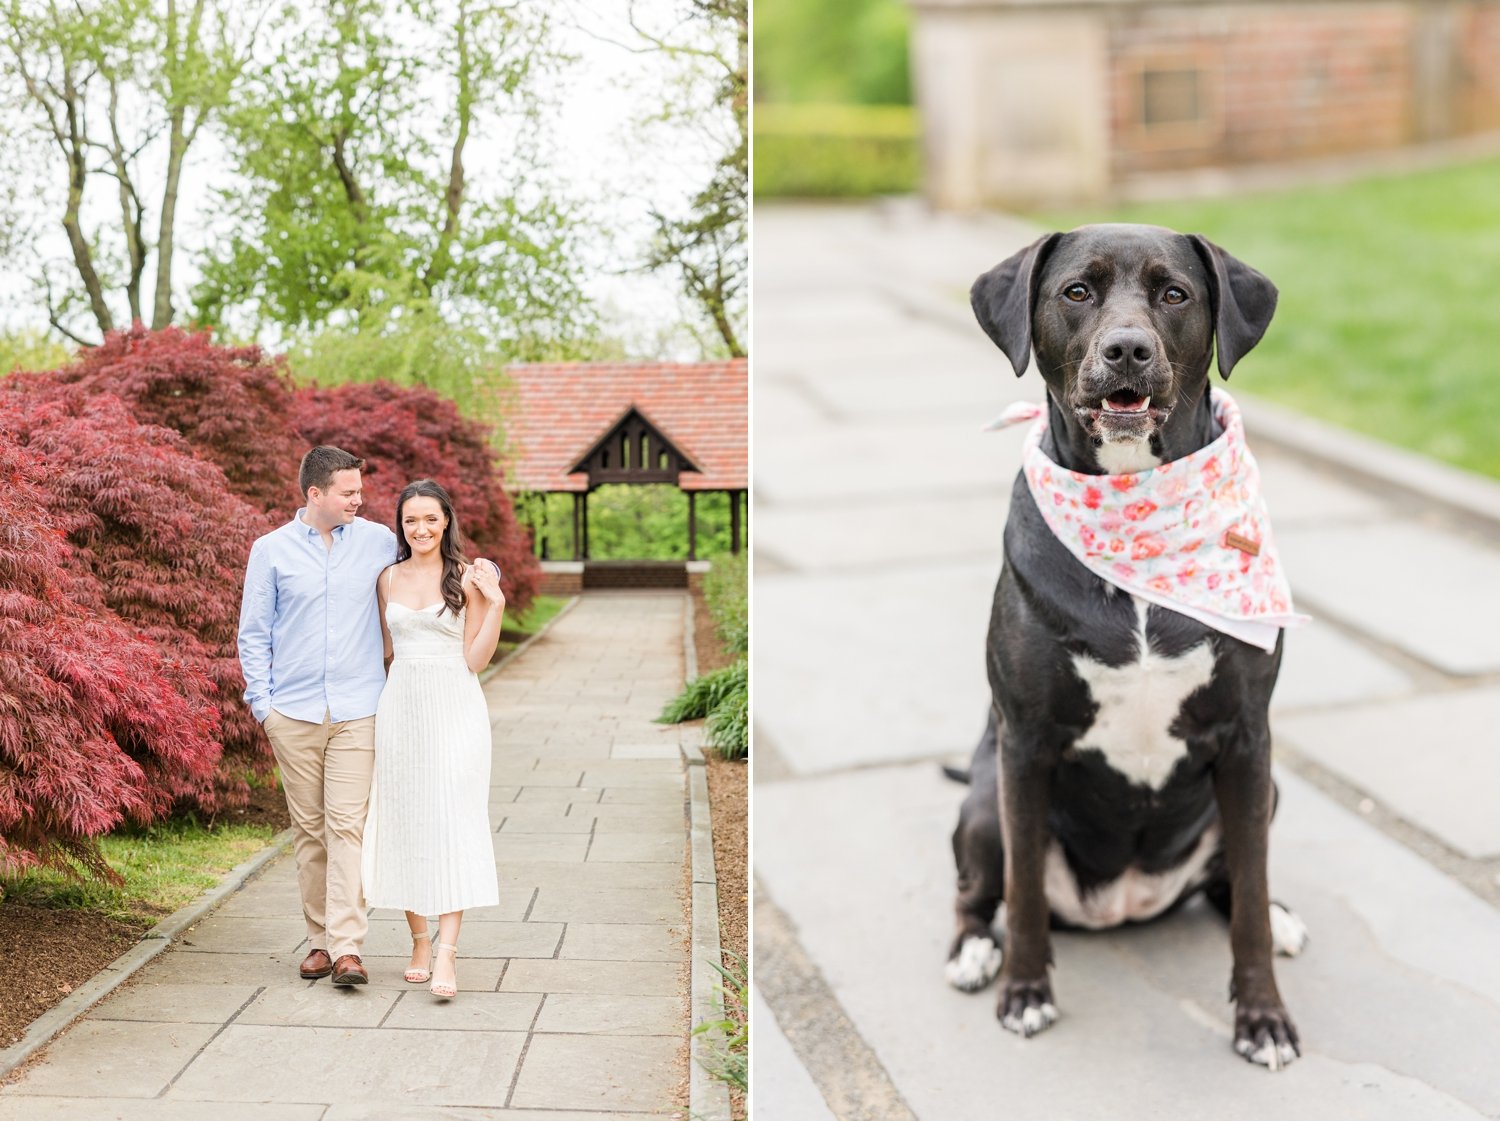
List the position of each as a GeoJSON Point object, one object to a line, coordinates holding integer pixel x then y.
{"type": "Point", "coordinates": [1435, 66]}
{"type": "Point", "coordinates": [1014, 101]}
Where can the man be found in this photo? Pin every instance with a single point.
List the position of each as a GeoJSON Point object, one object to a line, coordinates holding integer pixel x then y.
{"type": "Point", "coordinates": [312, 655]}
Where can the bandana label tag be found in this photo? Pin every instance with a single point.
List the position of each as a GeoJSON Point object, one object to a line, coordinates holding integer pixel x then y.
{"type": "Point", "coordinates": [1243, 544]}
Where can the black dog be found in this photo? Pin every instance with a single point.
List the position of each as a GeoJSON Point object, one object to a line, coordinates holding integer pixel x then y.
{"type": "Point", "coordinates": [1172, 792]}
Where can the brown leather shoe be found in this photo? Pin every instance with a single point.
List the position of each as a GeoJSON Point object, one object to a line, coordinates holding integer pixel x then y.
{"type": "Point", "coordinates": [316, 964]}
{"type": "Point", "coordinates": [349, 970]}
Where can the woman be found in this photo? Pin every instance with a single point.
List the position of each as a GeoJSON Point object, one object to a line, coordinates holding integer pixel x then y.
{"type": "Point", "coordinates": [428, 846]}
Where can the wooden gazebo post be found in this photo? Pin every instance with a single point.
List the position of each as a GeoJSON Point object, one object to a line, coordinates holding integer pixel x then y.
{"type": "Point", "coordinates": [692, 525]}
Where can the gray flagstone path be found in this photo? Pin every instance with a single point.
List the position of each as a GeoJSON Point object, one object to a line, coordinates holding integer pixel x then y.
{"type": "Point", "coordinates": [879, 510]}
{"type": "Point", "coordinates": [572, 1004]}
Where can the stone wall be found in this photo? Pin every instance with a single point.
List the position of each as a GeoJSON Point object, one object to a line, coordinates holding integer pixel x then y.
{"type": "Point", "coordinates": [1046, 101]}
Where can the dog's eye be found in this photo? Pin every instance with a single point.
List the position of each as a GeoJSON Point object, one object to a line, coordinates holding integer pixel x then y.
{"type": "Point", "coordinates": [1173, 296]}
{"type": "Point", "coordinates": [1076, 292]}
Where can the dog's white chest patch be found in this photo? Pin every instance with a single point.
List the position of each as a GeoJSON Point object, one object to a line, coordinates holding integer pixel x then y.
{"type": "Point", "coordinates": [1125, 457]}
{"type": "Point", "coordinates": [1138, 703]}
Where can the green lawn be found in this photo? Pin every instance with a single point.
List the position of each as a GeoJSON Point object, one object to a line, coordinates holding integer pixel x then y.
{"type": "Point", "coordinates": [526, 624]}
{"type": "Point", "coordinates": [164, 868]}
{"type": "Point", "coordinates": [537, 616]}
{"type": "Point", "coordinates": [1388, 322]}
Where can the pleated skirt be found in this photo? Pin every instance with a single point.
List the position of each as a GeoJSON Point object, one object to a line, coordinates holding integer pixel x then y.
{"type": "Point", "coordinates": [428, 846]}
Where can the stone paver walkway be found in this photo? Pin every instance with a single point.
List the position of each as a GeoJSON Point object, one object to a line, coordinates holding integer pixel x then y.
{"type": "Point", "coordinates": [879, 513]}
{"type": "Point", "coordinates": [572, 1003]}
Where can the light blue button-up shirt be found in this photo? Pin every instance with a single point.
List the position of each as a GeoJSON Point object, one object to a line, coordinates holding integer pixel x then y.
{"type": "Point", "coordinates": [309, 622]}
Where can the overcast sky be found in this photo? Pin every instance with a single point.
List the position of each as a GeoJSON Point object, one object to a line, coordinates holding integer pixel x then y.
{"type": "Point", "coordinates": [608, 159]}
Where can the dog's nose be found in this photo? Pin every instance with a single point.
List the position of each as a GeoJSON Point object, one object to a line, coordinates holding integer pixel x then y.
{"type": "Point", "coordinates": [1127, 350]}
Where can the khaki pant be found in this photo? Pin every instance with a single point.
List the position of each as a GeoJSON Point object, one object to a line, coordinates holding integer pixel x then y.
{"type": "Point", "coordinates": [326, 770]}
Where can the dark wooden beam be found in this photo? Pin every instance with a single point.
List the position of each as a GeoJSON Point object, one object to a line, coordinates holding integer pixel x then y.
{"type": "Point", "coordinates": [692, 525]}
{"type": "Point", "coordinates": [734, 521]}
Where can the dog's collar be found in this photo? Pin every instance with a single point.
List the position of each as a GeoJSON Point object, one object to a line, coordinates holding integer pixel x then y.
{"type": "Point", "coordinates": [1191, 535]}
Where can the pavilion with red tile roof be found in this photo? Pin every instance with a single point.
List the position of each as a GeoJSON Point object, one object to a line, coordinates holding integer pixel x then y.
{"type": "Point", "coordinates": [576, 426]}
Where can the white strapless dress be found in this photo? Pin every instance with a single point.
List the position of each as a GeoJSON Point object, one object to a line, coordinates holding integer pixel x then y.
{"type": "Point", "coordinates": [428, 846]}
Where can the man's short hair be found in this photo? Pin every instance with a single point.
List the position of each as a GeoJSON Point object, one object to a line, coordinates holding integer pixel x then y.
{"type": "Point", "coordinates": [321, 464]}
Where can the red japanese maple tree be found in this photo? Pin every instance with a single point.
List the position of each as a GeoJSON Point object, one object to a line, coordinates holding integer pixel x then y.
{"type": "Point", "coordinates": [132, 484]}
{"type": "Point", "coordinates": [158, 538]}
{"type": "Point", "coordinates": [232, 404]}
{"type": "Point", "coordinates": [412, 433]}
{"type": "Point", "coordinates": [97, 726]}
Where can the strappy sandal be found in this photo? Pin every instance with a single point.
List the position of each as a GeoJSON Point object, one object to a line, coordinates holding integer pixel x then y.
{"type": "Point", "coordinates": [439, 989]}
{"type": "Point", "coordinates": [420, 976]}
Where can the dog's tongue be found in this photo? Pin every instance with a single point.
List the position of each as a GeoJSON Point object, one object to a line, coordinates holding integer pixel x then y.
{"type": "Point", "coordinates": [1125, 401]}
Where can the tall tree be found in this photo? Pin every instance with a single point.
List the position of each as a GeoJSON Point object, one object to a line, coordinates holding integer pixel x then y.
{"type": "Point", "coordinates": [707, 245]}
{"type": "Point", "coordinates": [122, 89]}
{"type": "Point", "coordinates": [358, 224]}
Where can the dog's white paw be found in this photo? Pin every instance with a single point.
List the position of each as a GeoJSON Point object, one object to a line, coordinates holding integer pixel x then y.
{"type": "Point", "coordinates": [1035, 1018]}
{"type": "Point", "coordinates": [1025, 1006]}
{"type": "Point", "coordinates": [1265, 1035]}
{"type": "Point", "coordinates": [1288, 933]}
{"type": "Point", "coordinates": [976, 964]}
{"type": "Point", "coordinates": [1269, 1054]}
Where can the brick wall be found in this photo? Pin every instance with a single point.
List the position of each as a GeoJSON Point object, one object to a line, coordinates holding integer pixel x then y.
{"type": "Point", "coordinates": [560, 583]}
{"type": "Point", "coordinates": [1477, 77]}
{"type": "Point", "coordinates": [1028, 102]}
{"type": "Point", "coordinates": [1275, 83]}
{"type": "Point", "coordinates": [635, 574]}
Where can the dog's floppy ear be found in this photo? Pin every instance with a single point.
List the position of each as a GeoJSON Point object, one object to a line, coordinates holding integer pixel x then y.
{"type": "Point", "coordinates": [1004, 297]}
{"type": "Point", "coordinates": [1243, 301]}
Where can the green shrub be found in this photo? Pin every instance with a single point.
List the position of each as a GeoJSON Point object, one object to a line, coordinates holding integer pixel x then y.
{"type": "Point", "coordinates": [726, 590]}
{"type": "Point", "coordinates": [706, 693]}
{"type": "Point", "coordinates": [724, 698]}
{"type": "Point", "coordinates": [728, 725]}
{"type": "Point", "coordinates": [836, 150]}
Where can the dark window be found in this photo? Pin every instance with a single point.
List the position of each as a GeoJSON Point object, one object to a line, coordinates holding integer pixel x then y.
{"type": "Point", "coordinates": [1171, 97]}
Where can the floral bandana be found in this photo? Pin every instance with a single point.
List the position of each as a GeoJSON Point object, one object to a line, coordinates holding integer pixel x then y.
{"type": "Point", "coordinates": [1191, 535]}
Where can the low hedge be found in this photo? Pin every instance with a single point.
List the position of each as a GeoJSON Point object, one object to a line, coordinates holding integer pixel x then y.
{"type": "Point", "coordinates": [836, 151]}
{"type": "Point", "coordinates": [726, 590]}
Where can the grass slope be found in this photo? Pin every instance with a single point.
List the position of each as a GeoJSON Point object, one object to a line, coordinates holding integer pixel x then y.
{"type": "Point", "coordinates": [164, 867]}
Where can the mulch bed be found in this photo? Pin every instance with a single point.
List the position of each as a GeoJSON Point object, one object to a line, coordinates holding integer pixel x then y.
{"type": "Point", "coordinates": [728, 797]}
{"type": "Point", "coordinates": [49, 953]}
{"type": "Point", "coordinates": [729, 803]}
